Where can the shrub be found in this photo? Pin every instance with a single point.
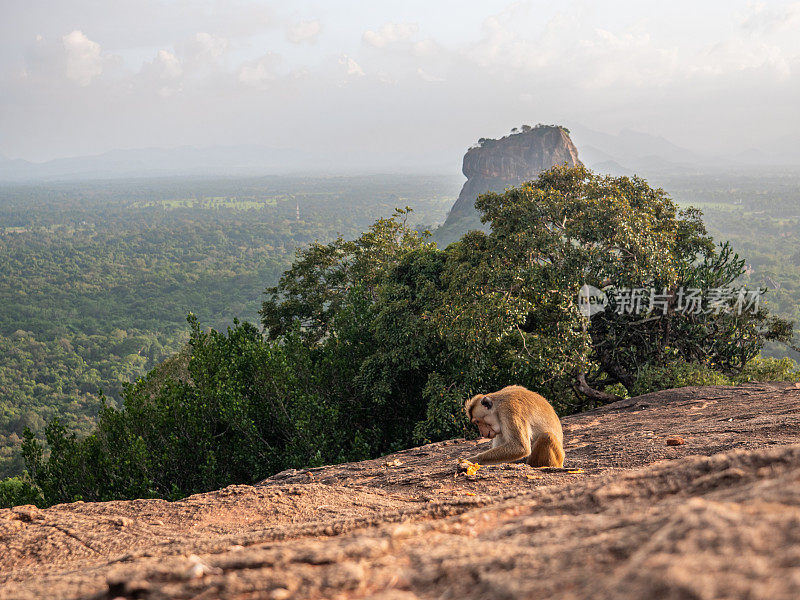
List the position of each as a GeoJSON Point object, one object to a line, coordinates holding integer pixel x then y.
{"type": "Point", "coordinates": [675, 374]}
{"type": "Point", "coordinates": [19, 490]}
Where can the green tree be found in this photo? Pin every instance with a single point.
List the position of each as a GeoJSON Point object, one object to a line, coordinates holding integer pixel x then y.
{"type": "Point", "coordinates": [571, 227]}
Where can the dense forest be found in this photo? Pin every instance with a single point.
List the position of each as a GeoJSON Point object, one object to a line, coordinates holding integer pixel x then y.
{"type": "Point", "coordinates": [370, 344]}
{"type": "Point", "coordinates": [96, 282]}
{"type": "Point", "coordinates": [96, 279]}
{"type": "Point", "coordinates": [758, 211]}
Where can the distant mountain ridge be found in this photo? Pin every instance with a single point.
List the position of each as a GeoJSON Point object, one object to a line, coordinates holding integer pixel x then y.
{"type": "Point", "coordinates": [630, 152]}
{"type": "Point", "coordinates": [624, 153]}
{"type": "Point", "coordinates": [184, 160]}
{"type": "Point", "coordinates": [234, 161]}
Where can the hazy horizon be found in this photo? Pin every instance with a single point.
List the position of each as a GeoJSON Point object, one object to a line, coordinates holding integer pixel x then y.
{"type": "Point", "coordinates": [370, 83]}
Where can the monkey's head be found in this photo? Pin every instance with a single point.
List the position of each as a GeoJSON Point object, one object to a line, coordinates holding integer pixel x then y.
{"type": "Point", "coordinates": [480, 410]}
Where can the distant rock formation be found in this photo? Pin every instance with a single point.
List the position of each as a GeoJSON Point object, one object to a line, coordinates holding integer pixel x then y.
{"type": "Point", "coordinates": [494, 165]}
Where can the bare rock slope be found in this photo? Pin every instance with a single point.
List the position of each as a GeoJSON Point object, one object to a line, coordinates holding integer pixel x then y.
{"type": "Point", "coordinates": [715, 517]}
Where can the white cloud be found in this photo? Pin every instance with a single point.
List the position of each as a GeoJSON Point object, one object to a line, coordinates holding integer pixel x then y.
{"type": "Point", "coordinates": [390, 33]}
{"type": "Point", "coordinates": [639, 55]}
{"type": "Point", "coordinates": [762, 18]}
{"type": "Point", "coordinates": [260, 72]}
{"type": "Point", "coordinates": [242, 19]}
{"type": "Point", "coordinates": [504, 46]}
{"type": "Point", "coordinates": [353, 69]}
{"type": "Point", "coordinates": [625, 41]}
{"type": "Point", "coordinates": [84, 62]}
{"type": "Point", "coordinates": [426, 48]}
{"type": "Point", "coordinates": [163, 74]}
{"type": "Point", "coordinates": [386, 78]}
{"type": "Point", "coordinates": [425, 76]}
{"type": "Point", "coordinates": [304, 31]}
{"type": "Point", "coordinates": [736, 55]}
{"type": "Point", "coordinates": [639, 67]}
{"type": "Point", "coordinates": [205, 48]}
{"type": "Point", "coordinates": [168, 64]}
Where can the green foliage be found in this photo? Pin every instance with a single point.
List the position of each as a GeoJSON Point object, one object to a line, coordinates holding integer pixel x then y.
{"type": "Point", "coordinates": [444, 413]}
{"type": "Point", "coordinates": [44, 379]}
{"type": "Point", "coordinates": [96, 278]}
{"type": "Point", "coordinates": [239, 416]}
{"type": "Point", "coordinates": [756, 210]}
{"type": "Point", "coordinates": [769, 369]}
{"type": "Point", "coordinates": [15, 491]}
{"type": "Point", "coordinates": [572, 227]}
{"type": "Point", "coordinates": [675, 374]}
{"type": "Point", "coordinates": [362, 321]}
{"type": "Point", "coordinates": [679, 373]}
{"type": "Point", "coordinates": [421, 329]}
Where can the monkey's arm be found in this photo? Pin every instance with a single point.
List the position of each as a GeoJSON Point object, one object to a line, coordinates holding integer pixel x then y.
{"type": "Point", "coordinates": [515, 445]}
{"type": "Point", "coordinates": [505, 453]}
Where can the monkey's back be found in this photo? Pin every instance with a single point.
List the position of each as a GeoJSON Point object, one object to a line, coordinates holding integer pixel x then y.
{"type": "Point", "coordinates": [542, 415]}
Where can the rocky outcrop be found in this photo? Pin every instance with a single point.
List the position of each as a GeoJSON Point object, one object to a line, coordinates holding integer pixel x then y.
{"type": "Point", "coordinates": [494, 165]}
{"type": "Point", "coordinates": [688, 493]}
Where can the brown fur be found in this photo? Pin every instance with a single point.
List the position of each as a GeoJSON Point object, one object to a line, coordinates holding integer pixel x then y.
{"type": "Point", "coordinates": [547, 451]}
{"type": "Point", "coordinates": [521, 423]}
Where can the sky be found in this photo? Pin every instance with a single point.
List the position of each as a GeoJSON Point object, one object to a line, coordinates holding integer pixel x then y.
{"type": "Point", "coordinates": [391, 78]}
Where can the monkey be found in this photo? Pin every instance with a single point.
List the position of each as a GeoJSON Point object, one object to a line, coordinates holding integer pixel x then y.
{"type": "Point", "coordinates": [521, 424]}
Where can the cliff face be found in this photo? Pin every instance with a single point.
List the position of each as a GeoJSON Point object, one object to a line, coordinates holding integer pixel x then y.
{"type": "Point", "coordinates": [495, 165]}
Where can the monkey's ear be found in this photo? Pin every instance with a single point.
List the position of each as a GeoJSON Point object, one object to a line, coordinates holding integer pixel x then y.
{"type": "Point", "coordinates": [487, 402]}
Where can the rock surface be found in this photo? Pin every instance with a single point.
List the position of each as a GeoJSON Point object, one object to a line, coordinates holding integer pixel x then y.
{"type": "Point", "coordinates": [495, 165]}
{"type": "Point", "coordinates": [715, 517]}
